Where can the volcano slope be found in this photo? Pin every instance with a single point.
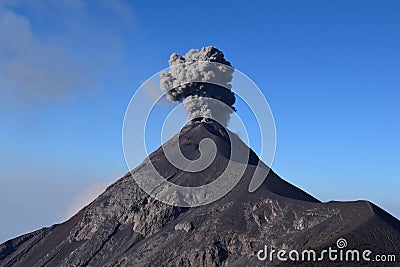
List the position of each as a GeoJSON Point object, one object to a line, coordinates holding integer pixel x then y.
{"type": "Point", "coordinates": [124, 226]}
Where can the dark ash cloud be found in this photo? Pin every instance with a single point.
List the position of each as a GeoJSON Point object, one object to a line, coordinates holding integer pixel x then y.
{"type": "Point", "coordinates": [197, 97]}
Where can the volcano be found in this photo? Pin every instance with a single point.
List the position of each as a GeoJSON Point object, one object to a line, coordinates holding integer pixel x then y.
{"type": "Point", "coordinates": [124, 226]}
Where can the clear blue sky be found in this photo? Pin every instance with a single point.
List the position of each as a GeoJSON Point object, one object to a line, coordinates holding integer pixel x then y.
{"type": "Point", "coordinates": [329, 69]}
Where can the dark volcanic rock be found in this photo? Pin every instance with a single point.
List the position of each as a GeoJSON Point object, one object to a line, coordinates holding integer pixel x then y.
{"type": "Point", "coordinates": [126, 227]}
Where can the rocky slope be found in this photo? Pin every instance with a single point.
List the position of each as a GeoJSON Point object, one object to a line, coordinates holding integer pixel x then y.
{"type": "Point", "coordinates": [126, 227]}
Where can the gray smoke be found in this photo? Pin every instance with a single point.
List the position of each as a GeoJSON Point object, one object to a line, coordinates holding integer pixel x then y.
{"type": "Point", "coordinates": [197, 82]}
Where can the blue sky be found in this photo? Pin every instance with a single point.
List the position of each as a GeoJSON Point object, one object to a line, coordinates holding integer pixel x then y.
{"type": "Point", "coordinates": [329, 70]}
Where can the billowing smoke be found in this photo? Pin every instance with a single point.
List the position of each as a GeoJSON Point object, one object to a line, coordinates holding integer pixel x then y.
{"type": "Point", "coordinates": [203, 87]}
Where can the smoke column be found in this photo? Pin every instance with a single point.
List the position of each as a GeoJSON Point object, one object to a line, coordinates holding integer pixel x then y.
{"type": "Point", "coordinates": [199, 98]}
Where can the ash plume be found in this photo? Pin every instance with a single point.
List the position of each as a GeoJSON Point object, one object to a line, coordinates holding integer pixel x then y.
{"type": "Point", "coordinates": [201, 80]}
